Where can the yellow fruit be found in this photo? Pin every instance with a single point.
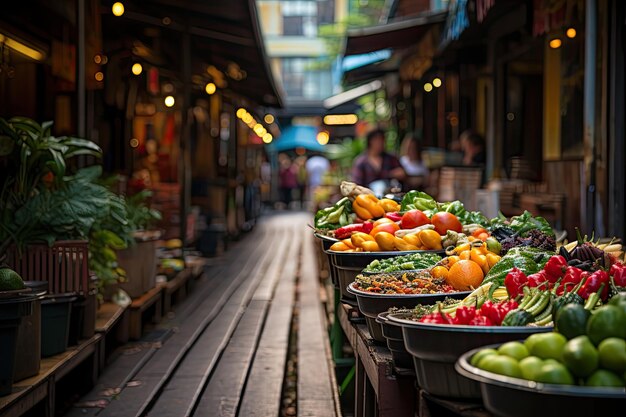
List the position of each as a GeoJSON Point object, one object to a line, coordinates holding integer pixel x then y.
{"type": "Point", "coordinates": [339, 247]}
{"type": "Point", "coordinates": [403, 245]}
{"type": "Point", "coordinates": [412, 239]}
{"type": "Point", "coordinates": [385, 240]}
{"type": "Point", "coordinates": [370, 246]}
{"type": "Point", "coordinates": [358, 238]}
{"type": "Point", "coordinates": [430, 239]}
{"type": "Point", "coordinates": [439, 272]}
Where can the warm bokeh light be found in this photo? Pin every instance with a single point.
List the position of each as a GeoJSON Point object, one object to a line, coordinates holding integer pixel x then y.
{"type": "Point", "coordinates": [571, 33]}
{"type": "Point", "coordinates": [437, 82]}
{"type": "Point", "coordinates": [340, 119]}
{"type": "Point", "coordinates": [169, 101]}
{"type": "Point", "coordinates": [136, 68]}
{"type": "Point", "coordinates": [21, 48]}
{"type": "Point", "coordinates": [269, 119]}
{"type": "Point", "coordinates": [323, 138]}
{"type": "Point", "coordinates": [555, 43]}
{"type": "Point", "coordinates": [134, 143]}
{"type": "Point", "coordinates": [241, 112]}
{"type": "Point", "coordinates": [428, 87]}
{"type": "Point", "coordinates": [267, 138]}
{"type": "Point", "coordinates": [210, 88]}
{"type": "Point", "coordinates": [118, 8]}
{"type": "Point", "coordinates": [99, 76]}
{"type": "Point", "coordinates": [247, 118]}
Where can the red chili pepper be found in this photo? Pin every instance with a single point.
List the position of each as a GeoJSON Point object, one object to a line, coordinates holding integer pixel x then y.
{"type": "Point", "coordinates": [346, 231]}
{"type": "Point", "coordinates": [572, 277]}
{"type": "Point", "coordinates": [555, 268]}
{"type": "Point", "coordinates": [481, 321]}
{"type": "Point", "coordinates": [464, 315]}
{"type": "Point", "coordinates": [618, 272]}
{"type": "Point", "coordinates": [539, 280]}
{"type": "Point", "coordinates": [396, 217]}
{"type": "Point", "coordinates": [514, 282]}
{"type": "Point", "coordinates": [593, 284]}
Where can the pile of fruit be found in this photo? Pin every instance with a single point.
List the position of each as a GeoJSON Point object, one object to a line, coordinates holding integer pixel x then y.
{"type": "Point", "coordinates": [587, 350]}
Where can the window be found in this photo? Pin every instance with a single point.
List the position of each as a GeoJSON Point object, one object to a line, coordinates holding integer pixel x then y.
{"type": "Point", "coordinates": [302, 81]}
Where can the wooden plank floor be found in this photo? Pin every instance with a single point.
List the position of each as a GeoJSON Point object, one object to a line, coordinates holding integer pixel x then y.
{"type": "Point", "coordinates": [227, 344]}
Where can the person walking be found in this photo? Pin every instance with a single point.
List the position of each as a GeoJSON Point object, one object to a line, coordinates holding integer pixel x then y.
{"type": "Point", "coordinates": [375, 164]}
{"type": "Point", "coordinates": [287, 179]}
{"type": "Point", "coordinates": [316, 167]}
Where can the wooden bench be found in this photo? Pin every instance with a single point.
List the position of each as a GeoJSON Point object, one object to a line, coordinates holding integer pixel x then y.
{"type": "Point", "coordinates": [149, 304]}
{"type": "Point", "coordinates": [175, 290]}
{"type": "Point", "coordinates": [40, 390]}
{"type": "Point", "coordinates": [112, 322]}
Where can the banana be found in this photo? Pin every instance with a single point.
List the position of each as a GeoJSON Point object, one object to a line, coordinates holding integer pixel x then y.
{"type": "Point", "coordinates": [571, 246]}
{"type": "Point", "coordinates": [612, 248]}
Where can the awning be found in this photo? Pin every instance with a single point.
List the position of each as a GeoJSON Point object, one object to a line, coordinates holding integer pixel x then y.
{"type": "Point", "coordinates": [397, 34]}
{"type": "Point", "coordinates": [349, 95]}
{"type": "Point", "coordinates": [296, 137]}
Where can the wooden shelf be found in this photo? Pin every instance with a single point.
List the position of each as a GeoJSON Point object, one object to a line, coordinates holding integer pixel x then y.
{"type": "Point", "coordinates": [29, 392]}
{"type": "Point", "coordinates": [154, 297]}
{"type": "Point", "coordinates": [108, 314]}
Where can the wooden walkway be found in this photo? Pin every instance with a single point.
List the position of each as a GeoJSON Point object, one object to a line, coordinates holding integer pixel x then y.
{"type": "Point", "coordinates": [224, 351]}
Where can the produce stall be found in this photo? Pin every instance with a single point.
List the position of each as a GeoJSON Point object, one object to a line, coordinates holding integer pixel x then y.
{"type": "Point", "coordinates": [471, 310]}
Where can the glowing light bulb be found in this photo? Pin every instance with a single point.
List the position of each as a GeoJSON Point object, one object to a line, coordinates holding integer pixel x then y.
{"type": "Point", "coordinates": [169, 101]}
{"type": "Point", "coordinates": [555, 43]}
{"type": "Point", "coordinates": [437, 82]}
{"type": "Point", "coordinates": [571, 33]}
{"type": "Point", "coordinates": [210, 88]}
{"type": "Point", "coordinates": [118, 8]}
{"type": "Point", "coordinates": [136, 68]}
{"type": "Point", "coordinates": [428, 87]}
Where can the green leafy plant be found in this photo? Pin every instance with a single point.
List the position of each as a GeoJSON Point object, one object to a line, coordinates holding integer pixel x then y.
{"type": "Point", "coordinates": [140, 215]}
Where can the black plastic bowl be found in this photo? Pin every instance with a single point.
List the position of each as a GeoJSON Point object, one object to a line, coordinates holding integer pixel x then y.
{"type": "Point", "coordinates": [326, 243]}
{"type": "Point", "coordinates": [350, 264]}
{"type": "Point", "coordinates": [514, 397]}
{"type": "Point", "coordinates": [402, 359]}
{"type": "Point", "coordinates": [371, 305]}
{"type": "Point", "coordinates": [436, 347]}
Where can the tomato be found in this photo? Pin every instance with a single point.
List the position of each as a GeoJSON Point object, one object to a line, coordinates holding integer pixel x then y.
{"type": "Point", "coordinates": [385, 227]}
{"type": "Point", "coordinates": [446, 221]}
{"type": "Point", "coordinates": [413, 218]}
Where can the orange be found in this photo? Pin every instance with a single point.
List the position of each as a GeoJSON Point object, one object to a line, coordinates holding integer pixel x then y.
{"type": "Point", "coordinates": [439, 272]}
{"type": "Point", "coordinates": [465, 275]}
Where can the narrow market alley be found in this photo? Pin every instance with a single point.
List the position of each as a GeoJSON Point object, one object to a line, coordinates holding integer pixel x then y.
{"type": "Point", "coordinates": [223, 352]}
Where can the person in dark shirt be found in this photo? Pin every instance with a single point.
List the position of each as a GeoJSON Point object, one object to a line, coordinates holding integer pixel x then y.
{"type": "Point", "coordinates": [376, 164]}
{"type": "Point", "coordinates": [473, 147]}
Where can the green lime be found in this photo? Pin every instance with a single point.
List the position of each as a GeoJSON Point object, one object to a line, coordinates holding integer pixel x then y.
{"type": "Point", "coordinates": [580, 356]}
{"type": "Point", "coordinates": [604, 378]}
{"type": "Point", "coordinates": [554, 373]}
{"type": "Point", "coordinates": [571, 320]}
{"type": "Point", "coordinates": [613, 354]}
{"type": "Point", "coordinates": [481, 354]}
{"type": "Point", "coordinates": [607, 321]}
{"type": "Point", "coordinates": [502, 365]}
{"type": "Point", "coordinates": [619, 300]}
{"type": "Point", "coordinates": [531, 340]}
{"type": "Point", "coordinates": [530, 367]}
{"type": "Point", "coordinates": [548, 346]}
{"type": "Point", "coordinates": [10, 280]}
{"type": "Point", "coordinates": [515, 350]}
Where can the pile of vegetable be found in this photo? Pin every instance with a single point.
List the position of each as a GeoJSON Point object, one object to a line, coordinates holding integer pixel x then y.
{"type": "Point", "coordinates": [587, 349]}
{"type": "Point", "coordinates": [413, 261]}
{"type": "Point", "coordinates": [420, 282]}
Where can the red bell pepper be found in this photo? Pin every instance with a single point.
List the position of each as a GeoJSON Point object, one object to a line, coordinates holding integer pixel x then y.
{"type": "Point", "coordinates": [593, 284]}
{"type": "Point", "coordinates": [514, 282]}
{"type": "Point", "coordinates": [570, 280]}
{"type": "Point", "coordinates": [436, 318]}
{"type": "Point", "coordinates": [539, 280]}
{"type": "Point", "coordinates": [618, 273]}
{"type": "Point", "coordinates": [346, 231]}
{"type": "Point", "coordinates": [464, 315]}
{"type": "Point", "coordinates": [395, 216]}
{"type": "Point", "coordinates": [555, 268]}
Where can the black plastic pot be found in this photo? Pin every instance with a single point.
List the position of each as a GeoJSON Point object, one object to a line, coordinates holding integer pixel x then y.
{"type": "Point", "coordinates": [11, 312]}
{"type": "Point", "coordinates": [402, 359]}
{"type": "Point", "coordinates": [28, 350]}
{"type": "Point", "coordinates": [55, 323]}
{"type": "Point", "coordinates": [436, 347]}
{"type": "Point", "coordinates": [371, 304]}
{"type": "Point", "coordinates": [514, 397]}
{"type": "Point", "coordinates": [77, 321]}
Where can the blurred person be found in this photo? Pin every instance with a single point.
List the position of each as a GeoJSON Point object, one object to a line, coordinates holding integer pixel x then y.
{"type": "Point", "coordinates": [287, 179]}
{"type": "Point", "coordinates": [411, 160]}
{"type": "Point", "coordinates": [473, 147]}
{"type": "Point", "coordinates": [375, 164]}
{"type": "Point", "coordinates": [316, 167]}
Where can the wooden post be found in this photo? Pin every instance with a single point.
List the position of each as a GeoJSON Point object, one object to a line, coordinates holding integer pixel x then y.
{"type": "Point", "coordinates": [589, 117]}
{"type": "Point", "coordinates": [184, 168]}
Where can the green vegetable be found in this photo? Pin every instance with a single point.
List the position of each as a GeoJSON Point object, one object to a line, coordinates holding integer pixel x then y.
{"type": "Point", "coordinates": [529, 260]}
{"type": "Point", "coordinates": [403, 263]}
{"type": "Point", "coordinates": [526, 222]}
{"type": "Point", "coordinates": [417, 200]}
{"type": "Point", "coordinates": [335, 216]}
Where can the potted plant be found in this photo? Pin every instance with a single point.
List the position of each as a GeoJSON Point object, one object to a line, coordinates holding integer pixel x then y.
{"type": "Point", "coordinates": [139, 259]}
